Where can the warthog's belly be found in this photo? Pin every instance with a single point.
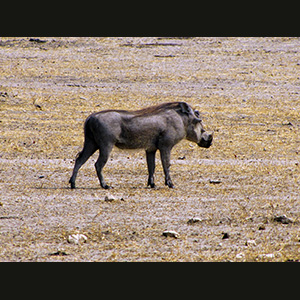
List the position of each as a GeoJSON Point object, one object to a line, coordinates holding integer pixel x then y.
{"type": "Point", "coordinates": [135, 144]}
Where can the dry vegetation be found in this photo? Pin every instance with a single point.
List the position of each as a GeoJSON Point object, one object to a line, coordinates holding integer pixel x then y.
{"type": "Point", "coordinates": [247, 90]}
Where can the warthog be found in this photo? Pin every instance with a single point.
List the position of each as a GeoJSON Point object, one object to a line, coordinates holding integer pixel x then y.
{"type": "Point", "coordinates": [154, 128]}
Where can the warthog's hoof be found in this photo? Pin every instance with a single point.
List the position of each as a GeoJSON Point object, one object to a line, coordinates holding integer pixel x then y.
{"type": "Point", "coordinates": [106, 187]}
{"type": "Point", "coordinates": [72, 184]}
{"type": "Point", "coordinates": [151, 182]}
{"type": "Point", "coordinates": [170, 184]}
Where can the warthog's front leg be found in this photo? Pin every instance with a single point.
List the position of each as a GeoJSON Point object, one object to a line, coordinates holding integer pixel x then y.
{"type": "Point", "coordinates": [165, 155]}
{"type": "Point", "coordinates": [150, 155]}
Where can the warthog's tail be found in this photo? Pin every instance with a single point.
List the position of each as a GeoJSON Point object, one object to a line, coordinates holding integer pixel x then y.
{"type": "Point", "coordinates": [89, 149]}
{"type": "Point", "coordinates": [88, 134]}
{"type": "Point", "coordinates": [88, 137]}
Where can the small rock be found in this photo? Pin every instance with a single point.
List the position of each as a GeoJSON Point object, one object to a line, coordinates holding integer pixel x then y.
{"type": "Point", "coordinates": [219, 246]}
{"type": "Point", "coordinates": [59, 253]}
{"type": "Point", "coordinates": [214, 181]}
{"type": "Point", "coordinates": [194, 220]}
{"type": "Point", "coordinates": [171, 233]}
{"type": "Point", "coordinates": [225, 236]}
{"type": "Point", "coordinates": [292, 260]}
{"type": "Point", "coordinates": [225, 220]}
{"type": "Point", "coordinates": [240, 256]}
{"type": "Point", "coordinates": [109, 198]}
{"type": "Point", "coordinates": [269, 255]}
{"type": "Point", "coordinates": [38, 106]}
{"type": "Point", "coordinates": [37, 40]}
{"type": "Point", "coordinates": [250, 243]}
{"type": "Point", "coordinates": [77, 238]}
{"type": "Point", "coordinates": [282, 219]}
{"type": "Point", "coordinates": [287, 123]}
{"type": "Point", "coordinates": [262, 227]}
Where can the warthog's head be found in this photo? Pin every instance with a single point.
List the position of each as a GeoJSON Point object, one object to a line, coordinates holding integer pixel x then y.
{"type": "Point", "coordinates": [195, 131]}
{"type": "Point", "coordinates": [206, 140]}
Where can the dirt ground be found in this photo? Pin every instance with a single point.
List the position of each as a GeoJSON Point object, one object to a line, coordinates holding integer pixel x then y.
{"type": "Point", "coordinates": [246, 89]}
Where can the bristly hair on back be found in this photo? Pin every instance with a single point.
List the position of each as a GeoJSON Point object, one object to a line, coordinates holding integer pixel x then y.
{"type": "Point", "coordinates": [147, 110]}
{"type": "Point", "coordinates": [156, 108]}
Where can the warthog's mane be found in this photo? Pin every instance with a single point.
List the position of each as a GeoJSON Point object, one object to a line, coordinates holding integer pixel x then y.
{"type": "Point", "coordinates": [148, 110]}
{"type": "Point", "coordinates": [157, 108]}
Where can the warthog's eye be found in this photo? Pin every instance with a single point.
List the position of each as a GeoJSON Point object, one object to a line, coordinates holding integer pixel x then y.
{"type": "Point", "coordinates": [196, 121]}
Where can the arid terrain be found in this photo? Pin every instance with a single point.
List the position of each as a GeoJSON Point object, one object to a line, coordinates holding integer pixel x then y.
{"type": "Point", "coordinates": [247, 91]}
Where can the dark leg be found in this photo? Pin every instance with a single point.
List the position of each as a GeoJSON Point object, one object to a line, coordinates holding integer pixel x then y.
{"type": "Point", "coordinates": [88, 150]}
{"type": "Point", "coordinates": [165, 155]}
{"type": "Point", "coordinates": [150, 155]}
{"type": "Point", "coordinates": [100, 163]}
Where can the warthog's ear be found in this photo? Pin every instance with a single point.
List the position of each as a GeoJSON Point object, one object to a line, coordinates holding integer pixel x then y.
{"type": "Point", "coordinates": [184, 107]}
{"type": "Point", "coordinates": [197, 119]}
{"type": "Point", "coordinates": [197, 114]}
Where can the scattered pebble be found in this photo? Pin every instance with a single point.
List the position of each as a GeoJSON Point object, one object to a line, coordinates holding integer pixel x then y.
{"type": "Point", "coordinates": [225, 236]}
{"type": "Point", "coordinates": [59, 253]}
{"type": "Point", "coordinates": [262, 227]}
{"type": "Point", "coordinates": [250, 243]}
{"type": "Point", "coordinates": [240, 256]}
{"type": "Point", "coordinates": [269, 255]}
{"type": "Point", "coordinates": [219, 246]}
{"type": "Point", "coordinates": [37, 40]}
{"type": "Point", "coordinates": [292, 260]}
{"type": "Point", "coordinates": [38, 106]}
{"type": "Point", "coordinates": [287, 123]}
{"type": "Point", "coordinates": [194, 220]}
{"type": "Point", "coordinates": [77, 238]}
{"type": "Point", "coordinates": [109, 198]}
{"type": "Point", "coordinates": [214, 181]}
{"type": "Point", "coordinates": [225, 220]}
{"type": "Point", "coordinates": [282, 219]}
{"type": "Point", "coordinates": [171, 233]}
{"type": "Point", "coordinates": [3, 94]}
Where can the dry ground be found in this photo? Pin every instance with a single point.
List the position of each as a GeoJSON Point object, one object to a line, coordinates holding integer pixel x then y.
{"type": "Point", "coordinates": [247, 90]}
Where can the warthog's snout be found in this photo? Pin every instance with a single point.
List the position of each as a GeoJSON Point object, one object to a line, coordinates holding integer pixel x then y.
{"type": "Point", "coordinates": [206, 140]}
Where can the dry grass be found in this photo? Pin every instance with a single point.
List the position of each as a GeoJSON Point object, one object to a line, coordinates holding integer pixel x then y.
{"type": "Point", "coordinates": [247, 90]}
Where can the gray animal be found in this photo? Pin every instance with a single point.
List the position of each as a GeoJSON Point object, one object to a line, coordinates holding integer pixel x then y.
{"type": "Point", "coordinates": [153, 128]}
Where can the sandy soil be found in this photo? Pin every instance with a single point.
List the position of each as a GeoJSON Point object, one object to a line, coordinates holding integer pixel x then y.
{"type": "Point", "coordinates": [247, 90]}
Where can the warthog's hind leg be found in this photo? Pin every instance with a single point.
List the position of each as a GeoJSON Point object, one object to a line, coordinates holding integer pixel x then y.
{"type": "Point", "coordinates": [88, 150]}
{"type": "Point", "coordinates": [100, 163]}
